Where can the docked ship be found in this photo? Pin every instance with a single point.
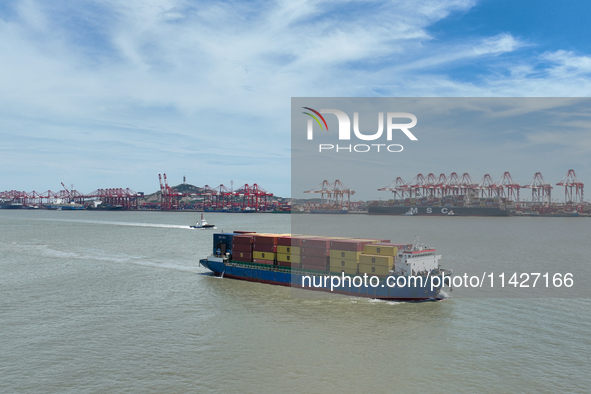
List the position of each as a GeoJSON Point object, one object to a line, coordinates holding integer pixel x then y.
{"type": "Point", "coordinates": [61, 205]}
{"type": "Point", "coordinates": [462, 205]}
{"type": "Point", "coordinates": [11, 205]}
{"type": "Point", "coordinates": [372, 268]}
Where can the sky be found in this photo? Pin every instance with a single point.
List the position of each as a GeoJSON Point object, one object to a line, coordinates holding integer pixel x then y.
{"type": "Point", "coordinates": [105, 94]}
{"type": "Point", "coordinates": [477, 135]}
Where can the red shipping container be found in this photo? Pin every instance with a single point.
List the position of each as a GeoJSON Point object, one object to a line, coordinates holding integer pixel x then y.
{"type": "Point", "coordinates": [352, 245]}
{"type": "Point", "coordinates": [306, 251]}
{"type": "Point", "coordinates": [317, 260]}
{"type": "Point", "coordinates": [286, 241]}
{"type": "Point", "coordinates": [294, 240]}
{"type": "Point", "coordinates": [264, 248]}
{"type": "Point", "coordinates": [265, 239]}
{"type": "Point", "coordinates": [242, 248]}
{"type": "Point", "coordinates": [316, 243]}
{"type": "Point", "coordinates": [261, 261]}
{"type": "Point", "coordinates": [242, 256]}
{"type": "Point", "coordinates": [242, 239]}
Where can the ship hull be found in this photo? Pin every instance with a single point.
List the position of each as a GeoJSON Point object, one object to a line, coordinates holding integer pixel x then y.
{"type": "Point", "coordinates": [295, 279]}
{"type": "Point", "coordinates": [11, 206]}
{"type": "Point", "coordinates": [437, 211]}
{"type": "Point", "coordinates": [64, 208]}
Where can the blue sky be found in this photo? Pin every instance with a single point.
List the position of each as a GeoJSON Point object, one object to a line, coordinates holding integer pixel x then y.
{"type": "Point", "coordinates": [106, 94]}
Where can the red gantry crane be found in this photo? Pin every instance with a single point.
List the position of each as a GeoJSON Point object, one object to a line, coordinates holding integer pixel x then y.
{"type": "Point", "coordinates": [569, 182]}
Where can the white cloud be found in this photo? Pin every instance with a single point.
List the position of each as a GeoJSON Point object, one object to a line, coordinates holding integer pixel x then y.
{"type": "Point", "coordinates": [219, 75]}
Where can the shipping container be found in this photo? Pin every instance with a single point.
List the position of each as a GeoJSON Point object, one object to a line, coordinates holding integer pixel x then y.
{"type": "Point", "coordinates": [373, 259]}
{"type": "Point", "coordinates": [266, 238]}
{"type": "Point", "coordinates": [340, 271]}
{"type": "Point", "coordinates": [283, 248]}
{"type": "Point", "coordinates": [293, 240]}
{"type": "Point", "coordinates": [306, 251]}
{"type": "Point", "coordinates": [342, 263]}
{"type": "Point", "coordinates": [287, 257]}
{"type": "Point", "coordinates": [344, 254]}
{"type": "Point", "coordinates": [243, 239]}
{"type": "Point", "coordinates": [323, 243]}
{"type": "Point", "coordinates": [264, 255]}
{"type": "Point", "coordinates": [242, 256]}
{"type": "Point", "coordinates": [314, 260]}
{"type": "Point", "coordinates": [264, 248]}
{"type": "Point", "coordinates": [288, 249]}
{"type": "Point", "coordinates": [284, 241]}
{"type": "Point", "coordinates": [374, 270]}
{"type": "Point", "coordinates": [381, 249]}
{"type": "Point", "coordinates": [241, 248]}
{"type": "Point", "coordinates": [353, 245]}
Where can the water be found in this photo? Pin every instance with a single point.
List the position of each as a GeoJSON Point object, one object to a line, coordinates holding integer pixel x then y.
{"type": "Point", "coordinates": [116, 302]}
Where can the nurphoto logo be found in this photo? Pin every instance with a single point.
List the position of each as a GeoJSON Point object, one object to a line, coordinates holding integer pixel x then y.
{"type": "Point", "coordinates": [345, 130]}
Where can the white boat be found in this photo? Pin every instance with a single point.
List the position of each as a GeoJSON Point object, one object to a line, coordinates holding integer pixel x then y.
{"type": "Point", "coordinates": [203, 224]}
{"type": "Point", "coordinates": [61, 205]}
{"type": "Point", "coordinates": [409, 213]}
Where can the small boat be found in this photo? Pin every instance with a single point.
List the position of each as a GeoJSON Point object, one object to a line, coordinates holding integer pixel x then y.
{"type": "Point", "coordinates": [409, 213]}
{"type": "Point", "coordinates": [203, 224]}
{"type": "Point", "coordinates": [450, 213]}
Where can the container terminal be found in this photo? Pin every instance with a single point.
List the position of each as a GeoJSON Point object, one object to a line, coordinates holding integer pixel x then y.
{"type": "Point", "coordinates": [456, 195]}
{"type": "Point", "coordinates": [442, 195]}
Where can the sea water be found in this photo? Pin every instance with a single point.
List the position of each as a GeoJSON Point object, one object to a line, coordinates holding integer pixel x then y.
{"type": "Point", "coordinates": [117, 302]}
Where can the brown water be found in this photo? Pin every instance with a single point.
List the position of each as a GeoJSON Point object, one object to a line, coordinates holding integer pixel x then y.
{"type": "Point", "coordinates": [116, 302]}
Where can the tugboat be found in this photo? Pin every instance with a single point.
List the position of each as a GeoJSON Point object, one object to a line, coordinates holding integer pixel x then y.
{"type": "Point", "coordinates": [203, 224]}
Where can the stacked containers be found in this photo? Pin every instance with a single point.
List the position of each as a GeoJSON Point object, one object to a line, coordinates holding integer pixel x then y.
{"type": "Point", "coordinates": [378, 258]}
{"type": "Point", "coordinates": [288, 251]}
{"type": "Point", "coordinates": [314, 253]}
{"type": "Point", "coordinates": [264, 248]}
{"type": "Point", "coordinates": [242, 247]}
{"type": "Point", "coordinates": [344, 255]}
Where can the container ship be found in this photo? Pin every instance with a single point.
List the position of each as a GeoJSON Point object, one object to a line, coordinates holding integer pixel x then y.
{"type": "Point", "coordinates": [447, 206]}
{"type": "Point", "coordinates": [372, 268]}
{"type": "Point", "coordinates": [11, 205]}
